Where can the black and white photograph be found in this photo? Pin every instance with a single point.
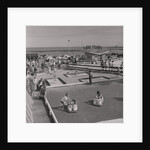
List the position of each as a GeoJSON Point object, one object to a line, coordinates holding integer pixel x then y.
{"type": "Point", "coordinates": [74, 74]}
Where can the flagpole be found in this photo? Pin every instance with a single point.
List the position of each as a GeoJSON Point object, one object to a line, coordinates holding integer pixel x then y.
{"type": "Point", "coordinates": [30, 58]}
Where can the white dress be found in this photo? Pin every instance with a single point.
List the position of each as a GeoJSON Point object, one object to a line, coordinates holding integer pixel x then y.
{"type": "Point", "coordinates": [98, 101]}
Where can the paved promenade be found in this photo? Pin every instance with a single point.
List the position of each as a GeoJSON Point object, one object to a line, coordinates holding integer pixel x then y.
{"type": "Point", "coordinates": [68, 79]}
{"type": "Point", "coordinates": [36, 111]}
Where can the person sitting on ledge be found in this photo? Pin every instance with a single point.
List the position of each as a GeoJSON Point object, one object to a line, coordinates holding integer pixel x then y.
{"type": "Point", "coordinates": [99, 100]}
{"type": "Point", "coordinates": [43, 90]}
{"type": "Point", "coordinates": [39, 84]}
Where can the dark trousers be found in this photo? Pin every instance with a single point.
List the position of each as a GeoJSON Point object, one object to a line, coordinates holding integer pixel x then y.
{"type": "Point", "coordinates": [90, 80]}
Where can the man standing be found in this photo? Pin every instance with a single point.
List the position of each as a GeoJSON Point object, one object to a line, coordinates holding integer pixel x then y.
{"type": "Point", "coordinates": [90, 77]}
{"type": "Point", "coordinates": [54, 75]}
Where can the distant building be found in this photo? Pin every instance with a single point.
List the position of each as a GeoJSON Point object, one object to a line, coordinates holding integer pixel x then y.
{"type": "Point", "coordinates": [116, 48]}
{"type": "Point", "coordinates": [97, 56]}
{"type": "Point", "coordinates": [54, 51]}
{"type": "Point", "coordinates": [92, 48]}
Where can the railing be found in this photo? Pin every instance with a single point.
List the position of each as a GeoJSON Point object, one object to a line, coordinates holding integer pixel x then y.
{"type": "Point", "coordinates": [104, 68]}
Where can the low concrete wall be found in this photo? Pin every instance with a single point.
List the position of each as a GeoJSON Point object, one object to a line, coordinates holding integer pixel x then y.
{"type": "Point", "coordinates": [51, 113]}
{"type": "Point", "coordinates": [29, 102]}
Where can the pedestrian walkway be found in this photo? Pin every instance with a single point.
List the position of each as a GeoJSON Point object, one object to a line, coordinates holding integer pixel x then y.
{"type": "Point", "coordinates": [36, 111]}
{"type": "Point", "coordinates": [40, 114]}
{"type": "Point", "coordinates": [76, 80]}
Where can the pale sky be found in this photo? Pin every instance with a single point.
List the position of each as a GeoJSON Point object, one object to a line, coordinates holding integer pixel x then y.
{"type": "Point", "coordinates": [58, 36]}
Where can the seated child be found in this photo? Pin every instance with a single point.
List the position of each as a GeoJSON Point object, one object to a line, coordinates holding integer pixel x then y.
{"type": "Point", "coordinates": [99, 100]}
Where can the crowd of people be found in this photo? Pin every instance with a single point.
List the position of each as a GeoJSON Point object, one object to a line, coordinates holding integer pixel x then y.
{"type": "Point", "coordinates": [47, 65]}
{"type": "Point", "coordinates": [108, 62]}
{"type": "Point", "coordinates": [34, 87]}
{"type": "Point", "coordinates": [32, 84]}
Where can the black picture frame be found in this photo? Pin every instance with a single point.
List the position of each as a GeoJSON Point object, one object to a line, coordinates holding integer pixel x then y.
{"type": "Point", "coordinates": [146, 25]}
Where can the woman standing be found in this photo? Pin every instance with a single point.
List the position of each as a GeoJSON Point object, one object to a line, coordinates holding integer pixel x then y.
{"type": "Point", "coordinates": [90, 77]}
{"type": "Point", "coordinates": [28, 82]}
{"type": "Point", "coordinates": [32, 84]}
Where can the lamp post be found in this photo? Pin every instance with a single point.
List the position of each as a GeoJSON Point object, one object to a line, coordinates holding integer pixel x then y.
{"type": "Point", "coordinates": [69, 47]}
{"type": "Point", "coordinates": [30, 58]}
{"type": "Point", "coordinates": [82, 45]}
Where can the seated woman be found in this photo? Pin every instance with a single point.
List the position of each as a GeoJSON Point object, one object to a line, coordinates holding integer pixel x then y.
{"type": "Point", "coordinates": [99, 100]}
{"type": "Point", "coordinates": [68, 104]}
{"type": "Point", "coordinates": [65, 100]}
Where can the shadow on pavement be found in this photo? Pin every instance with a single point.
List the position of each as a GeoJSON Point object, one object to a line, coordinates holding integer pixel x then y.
{"type": "Point", "coordinates": [89, 102]}
{"type": "Point", "coordinates": [118, 98]}
{"type": "Point", "coordinates": [59, 108]}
